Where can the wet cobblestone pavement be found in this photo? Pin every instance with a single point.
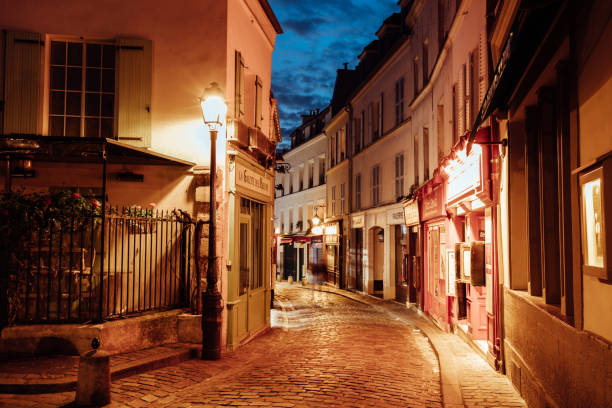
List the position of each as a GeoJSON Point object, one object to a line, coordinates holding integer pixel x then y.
{"type": "Point", "coordinates": [323, 350]}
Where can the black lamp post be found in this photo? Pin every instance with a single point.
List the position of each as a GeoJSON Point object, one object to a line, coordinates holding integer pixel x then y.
{"type": "Point", "coordinates": [213, 111]}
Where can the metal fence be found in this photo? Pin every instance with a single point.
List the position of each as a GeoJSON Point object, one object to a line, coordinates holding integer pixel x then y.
{"type": "Point", "coordinates": [94, 267]}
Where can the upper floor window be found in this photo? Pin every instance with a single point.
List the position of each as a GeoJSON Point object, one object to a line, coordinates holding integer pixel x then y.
{"type": "Point", "coordinates": [375, 109]}
{"type": "Point", "coordinates": [301, 178]}
{"type": "Point", "coordinates": [332, 150]}
{"type": "Point", "coordinates": [321, 171]}
{"type": "Point", "coordinates": [81, 89]}
{"type": "Point", "coordinates": [342, 144]}
{"type": "Point", "coordinates": [425, 61]}
{"type": "Point", "coordinates": [333, 201]}
{"type": "Point", "coordinates": [415, 74]}
{"type": "Point", "coordinates": [310, 174]}
{"type": "Point", "coordinates": [342, 195]}
{"type": "Point", "coordinates": [358, 191]}
{"type": "Point", "coordinates": [399, 175]}
{"type": "Point", "coordinates": [357, 133]}
{"type": "Point", "coordinates": [376, 185]}
{"type": "Point", "coordinates": [399, 101]}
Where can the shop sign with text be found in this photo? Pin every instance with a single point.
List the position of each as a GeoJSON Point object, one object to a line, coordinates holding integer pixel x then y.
{"type": "Point", "coordinates": [411, 213]}
{"type": "Point", "coordinates": [247, 178]}
{"type": "Point", "coordinates": [433, 204]}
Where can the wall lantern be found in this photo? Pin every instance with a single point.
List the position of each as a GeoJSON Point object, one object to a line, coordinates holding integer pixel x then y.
{"type": "Point", "coordinates": [381, 236]}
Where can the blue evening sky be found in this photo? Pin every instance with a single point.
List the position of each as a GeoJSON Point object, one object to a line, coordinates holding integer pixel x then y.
{"type": "Point", "coordinates": [319, 36]}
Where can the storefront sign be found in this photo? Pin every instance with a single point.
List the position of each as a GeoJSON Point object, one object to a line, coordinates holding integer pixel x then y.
{"type": "Point", "coordinates": [332, 236]}
{"type": "Point", "coordinates": [357, 221]}
{"type": "Point", "coordinates": [433, 204]}
{"type": "Point", "coordinates": [247, 178]}
{"type": "Point", "coordinates": [395, 216]}
{"type": "Point", "coordinates": [411, 213]}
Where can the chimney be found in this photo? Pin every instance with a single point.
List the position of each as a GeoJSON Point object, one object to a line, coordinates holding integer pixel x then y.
{"type": "Point", "coordinates": [346, 65]}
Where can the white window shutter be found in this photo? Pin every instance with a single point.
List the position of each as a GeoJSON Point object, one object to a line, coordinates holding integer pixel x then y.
{"type": "Point", "coordinates": [22, 83]}
{"type": "Point", "coordinates": [134, 92]}
{"type": "Point", "coordinates": [461, 102]}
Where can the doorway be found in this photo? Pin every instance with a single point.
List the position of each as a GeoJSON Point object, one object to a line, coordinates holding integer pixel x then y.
{"type": "Point", "coordinates": [377, 244]}
{"type": "Point", "coordinates": [359, 259]}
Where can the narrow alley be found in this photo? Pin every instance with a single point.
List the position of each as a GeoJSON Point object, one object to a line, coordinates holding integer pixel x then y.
{"type": "Point", "coordinates": [324, 349]}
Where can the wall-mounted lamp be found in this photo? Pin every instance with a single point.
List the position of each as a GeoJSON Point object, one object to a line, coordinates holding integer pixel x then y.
{"type": "Point", "coordinates": [381, 236]}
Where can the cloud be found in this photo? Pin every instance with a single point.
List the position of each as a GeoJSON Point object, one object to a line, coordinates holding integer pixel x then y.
{"type": "Point", "coordinates": [320, 35]}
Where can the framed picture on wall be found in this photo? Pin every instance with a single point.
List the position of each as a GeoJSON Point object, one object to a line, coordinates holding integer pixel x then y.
{"type": "Point", "coordinates": [450, 265]}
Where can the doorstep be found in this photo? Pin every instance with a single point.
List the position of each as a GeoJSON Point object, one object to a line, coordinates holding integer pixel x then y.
{"type": "Point", "coordinates": [26, 376]}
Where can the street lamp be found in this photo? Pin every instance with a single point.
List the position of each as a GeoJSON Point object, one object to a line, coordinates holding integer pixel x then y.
{"type": "Point", "coordinates": [213, 111]}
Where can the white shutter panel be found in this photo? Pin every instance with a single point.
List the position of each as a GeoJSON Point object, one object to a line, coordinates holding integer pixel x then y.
{"type": "Point", "coordinates": [483, 70]}
{"type": "Point", "coordinates": [22, 83]}
{"type": "Point", "coordinates": [134, 92]}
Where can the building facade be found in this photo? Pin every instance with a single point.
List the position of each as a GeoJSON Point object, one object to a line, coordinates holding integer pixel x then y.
{"type": "Point", "coordinates": [135, 82]}
{"type": "Point", "coordinates": [300, 198]}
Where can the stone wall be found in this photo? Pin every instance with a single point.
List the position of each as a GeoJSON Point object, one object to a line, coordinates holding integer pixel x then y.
{"type": "Point", "coordinates": [551, 363]}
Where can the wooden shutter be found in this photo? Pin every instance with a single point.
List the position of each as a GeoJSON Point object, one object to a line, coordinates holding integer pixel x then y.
{"type": "Point", "coordinates": [461, 102]}
{"type": "Point", "coordinates": [258, 102]}
{"type": "Point", "coordinates": [134, 92]}
{"type": "Point", "coordinates": [483, 69]}
{"type": "Point", "coordinates": [22, 83]}
{"type": "Point", "coordinates": [239, 86]}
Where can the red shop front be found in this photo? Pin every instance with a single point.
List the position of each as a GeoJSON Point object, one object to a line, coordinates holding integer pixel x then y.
{"type": "Point", "coordinates": [435, 227]}
{"type": "Point", "coordinates": [470, 263]}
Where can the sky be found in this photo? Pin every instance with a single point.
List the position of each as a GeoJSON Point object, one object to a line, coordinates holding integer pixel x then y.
{"type": "Point", "coordinates": [319, 36]}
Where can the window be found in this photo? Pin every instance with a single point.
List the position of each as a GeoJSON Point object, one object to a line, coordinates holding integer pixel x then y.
{"type": "Point", "coordinates": [342, 195]}
{"type": "Point", "coordinates": [332, 150]}
{"type": "Point", "coordinates": [239, 86]}
{"type": "Point", "coordinates": [468, 94]}
{"type": "Point", "coordinates": [440, 126]}
{"type": "Point", "coordinates": [81, 89]}
{"type": "Point", "coordinates": [462, 102]}
{"type": "Point", "coordinates": [258, 102]}
{"type": "Point", "coordinates": [399, 101]}
{"type": "Point", "coordinates": [363, 126]}
{"type": "Point", "coordinates": [358, 191]}
{"type": "Point", "coordinates": [454, 114]}
{"type": "Point", "coordinates": [399, 175]}
{"type": "Point", "coordinates": [425, 61]}
{"type": "Point", "coordinates": [333, 201]}
{"type": "Point", "coordinates": [441, 24]}
{"type": "Point", "coordinates": [473, 75]}
{"type": "Point", "coordinates": [415, 73]}
{"type": "Point", "coordinates": [342, 143]}
{"type": "Point", "coordinates": [321, 171]}
{"type": "Point", "coordinates": [310, 174]}
{"type": "Point", "coordinates": [375, 185]}
{"type": "Point", "coordinates": [357, 133]}
{"type": "Point", "coordinates": [291, 181]}
{"type": "Point", "coordinates": [376, 111]}
{"type": "Point", "coordinates": [371, 122]}
{"type": "Point", "coordinates": [426, 153]}
{"type": "Point", "coordinates": [415, 160]}
{"type": "Point", "coordinates": [301, 178]}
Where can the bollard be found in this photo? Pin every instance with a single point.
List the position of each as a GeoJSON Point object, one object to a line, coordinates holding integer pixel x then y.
{"type": "Point", "coordinates": [93, 384]}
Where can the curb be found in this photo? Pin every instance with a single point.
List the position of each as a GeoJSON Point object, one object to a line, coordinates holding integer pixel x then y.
{"type": "Point", "coordinates": [122, 370]}
{"type": "Point", "coordinates": [449, 379]}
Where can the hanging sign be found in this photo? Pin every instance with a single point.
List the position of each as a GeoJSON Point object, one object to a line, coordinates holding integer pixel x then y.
{"type": "Point", "coordinates": [411, 213]}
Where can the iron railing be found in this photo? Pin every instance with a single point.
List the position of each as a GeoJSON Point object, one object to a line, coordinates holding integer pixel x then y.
{"type": "Point", "coordinates": [94, 267]}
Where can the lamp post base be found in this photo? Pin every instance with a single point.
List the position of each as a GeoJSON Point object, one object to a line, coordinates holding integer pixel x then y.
{"type": "Point", "coordinates": [212, 321]}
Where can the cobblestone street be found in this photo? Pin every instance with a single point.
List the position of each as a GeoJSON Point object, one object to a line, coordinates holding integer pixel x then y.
{"type": "Point", "coordinates": [323, 350]}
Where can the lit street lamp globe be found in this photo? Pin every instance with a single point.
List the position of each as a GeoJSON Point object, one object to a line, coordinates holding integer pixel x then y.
{"type": "Point", "coordinates": [214, 108]}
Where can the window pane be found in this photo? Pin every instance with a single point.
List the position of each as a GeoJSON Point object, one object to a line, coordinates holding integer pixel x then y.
{"type": "Point", "coordinates": [93, 53]}
{"type": "Point", "coordinates": [108, 105]}
{"type": "Point", "coordinates": [73, 126]}
{"type": "Point", "coordinates": [108, 80]}
{"type": "Point", "coordinates": [92, 127]}
{"type": "Point", "coordinates": [593, 245]}
{"type": "Point", "coordinates": [56, 126]}
{"type": "Point", "coordinates": [57, 78]}
{"type": "Point", "coordinates": [108, 56]}
{"type": "Point", "coordinates": [74, 79]}
{"type": "Point", "coordinates": [73, 103]}
{"type": "Point", "coordinates": [107, 128]}
{"type": "Point", "coordinates": [56, 103]}
{"type": "Point", "coordinates": [75, 54]}
{"type": "Point", "coordinates": [92, 79]}
{"type": "Point", "coordinates": [58, 53]}
{"type": "Point", "coordinates": [92, 104]}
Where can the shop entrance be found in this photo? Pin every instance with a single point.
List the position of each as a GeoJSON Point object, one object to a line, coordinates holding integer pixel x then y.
{"type": "Point", "coordinates": [359, 259]}
{"type": "Point", "coordinates": [289, 262]}
{"type": "Point", "coordinates": [401, 263]}
{"type": "Point", "coordinates": [377, 260]}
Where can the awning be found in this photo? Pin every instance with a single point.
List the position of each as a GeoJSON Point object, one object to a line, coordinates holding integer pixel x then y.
{"type": "Point", "coordinates": [531, 26]}
{"type": "Point", "coordinates": [82, 150]}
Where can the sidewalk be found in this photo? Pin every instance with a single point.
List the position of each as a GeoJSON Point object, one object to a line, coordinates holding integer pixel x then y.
{"type": "Point", "coordinates": [46, 374]}
{"type": "Point", "coordinates": [466, 379]}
